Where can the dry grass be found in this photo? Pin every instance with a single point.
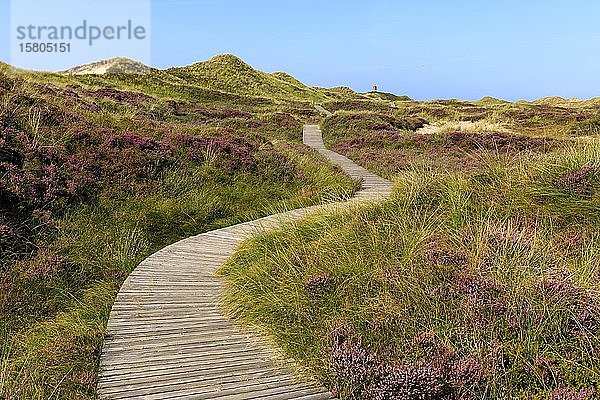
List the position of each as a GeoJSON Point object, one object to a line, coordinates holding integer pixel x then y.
{"type": "Point", "coordinates": [464, 126]}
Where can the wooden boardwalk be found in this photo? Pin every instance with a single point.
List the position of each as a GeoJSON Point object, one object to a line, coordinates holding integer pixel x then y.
{"type": "Point", "coordinates": [166, 337]}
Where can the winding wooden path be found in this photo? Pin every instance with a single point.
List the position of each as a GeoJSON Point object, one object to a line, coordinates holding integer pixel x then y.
{"type": "Point", "coordinates": [166, 337]}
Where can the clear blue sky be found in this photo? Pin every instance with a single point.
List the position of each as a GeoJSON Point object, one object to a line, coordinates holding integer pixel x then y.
{"type": "Point", "coordinates": [425, 49]}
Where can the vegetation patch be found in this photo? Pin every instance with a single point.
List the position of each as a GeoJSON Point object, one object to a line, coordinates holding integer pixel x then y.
{"type": "Point", "coordinates": [97, 173]}
{"type": "Point", "coordinates": [461, 286]}
{"type": "Point", "coordinates": [389, 144]}
{"type": "Point", "coordinates": [587, 127]}
{"type": "Point", "coordinates": [228, 73]}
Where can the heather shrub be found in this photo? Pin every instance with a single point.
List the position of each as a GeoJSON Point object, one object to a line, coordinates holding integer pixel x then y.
{"type": "Point", "coordinates": [587, 127]}
{"type": "Point", "coordinates": [356, 105]}
{"type": "Point", "coordinates": [120, 96]}
{"type": "Point", "coordinates": [565, 393]}
{"type": "Point", "coordinates": [212, 113]}
{"type": "Point", "coordinates": [276, 166]}
{"type": "Point", "coordinates": [387, 145]}
{"type": "Point", "coordinates": [318, 284]}
{"type": "Point", "coordinates": [582, 181]}
{"type": "Point", "coordinates": [230, 152]}
{"type": "Point", "coordinates": [342, 125]}
{"type": "Point", "coordinates": [359, 374]}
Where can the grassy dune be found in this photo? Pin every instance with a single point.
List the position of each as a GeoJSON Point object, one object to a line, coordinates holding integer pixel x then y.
{"type": "Point", "coordinates": [98, 172]}
{"type": "Point", "coordinates": [229, 74]}
{"type": "Point", "coordinates": [477, 280]}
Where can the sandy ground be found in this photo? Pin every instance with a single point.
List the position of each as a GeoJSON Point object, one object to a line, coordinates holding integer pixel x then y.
{"type": "Point", "coordinates": [463, 126]}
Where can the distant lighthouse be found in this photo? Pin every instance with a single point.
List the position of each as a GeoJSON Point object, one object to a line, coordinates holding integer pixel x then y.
{"type": "Point", "coordinates": [374, 88]}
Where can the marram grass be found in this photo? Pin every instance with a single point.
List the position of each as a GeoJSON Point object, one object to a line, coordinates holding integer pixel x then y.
{"type": "Point", "coordinates": [458, 287]}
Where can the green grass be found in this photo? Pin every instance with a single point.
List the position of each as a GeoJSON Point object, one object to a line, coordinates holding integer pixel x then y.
{"type": "Point", "coordinates": [543, 118]}
{"type": "Point", "coordinates": [58, 353]}
{"type": "Point", "coordinates": [391, 142]}
{"type": "Point", "coordinates": [229, 74]}
{"type": "Point", "coordinates": [481, 286]}
{"type": "Point", "coordinates": [92, 181]}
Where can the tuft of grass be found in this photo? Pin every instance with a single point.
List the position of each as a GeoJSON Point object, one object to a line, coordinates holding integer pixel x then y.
{"type": "Point", "coordinates": [587, 127]}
